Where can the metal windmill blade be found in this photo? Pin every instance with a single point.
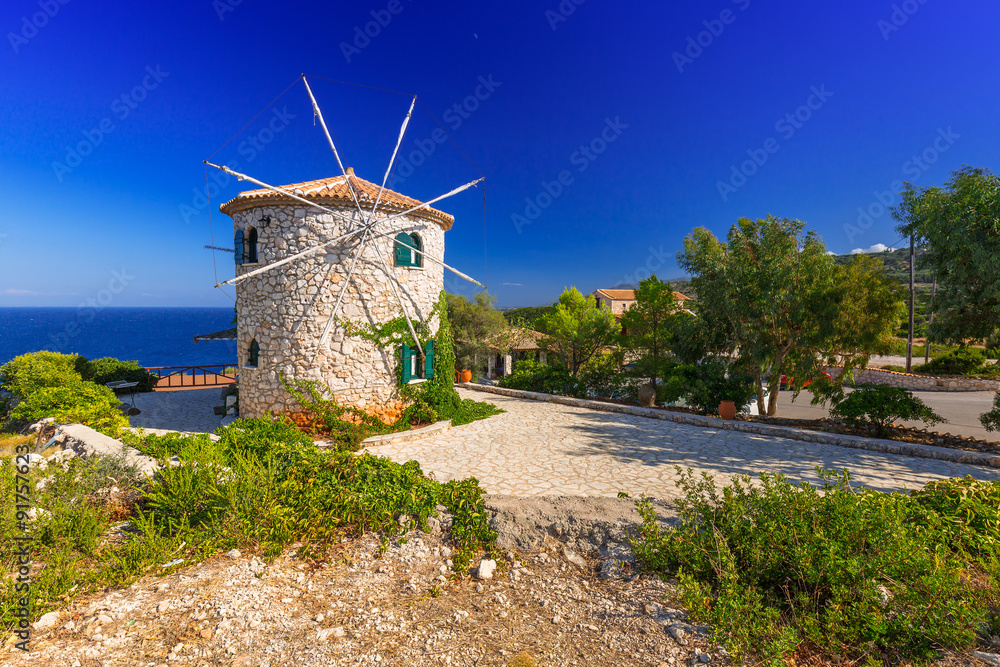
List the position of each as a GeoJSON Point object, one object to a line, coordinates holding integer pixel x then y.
{"type": "Point", "coordinates": [319, 240]}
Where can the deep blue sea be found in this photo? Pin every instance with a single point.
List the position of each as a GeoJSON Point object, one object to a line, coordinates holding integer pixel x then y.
{"type": "Point", "coordinates": [151, 336]}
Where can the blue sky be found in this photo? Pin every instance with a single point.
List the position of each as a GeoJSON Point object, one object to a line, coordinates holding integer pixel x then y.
{"type": "Point", "coordinates": [606, 131]}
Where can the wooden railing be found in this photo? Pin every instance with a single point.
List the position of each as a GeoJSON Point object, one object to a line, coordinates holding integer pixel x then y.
{"type": "Point", "coordinates": [185, 377]}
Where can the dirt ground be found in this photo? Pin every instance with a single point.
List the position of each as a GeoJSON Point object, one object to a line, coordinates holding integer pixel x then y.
{"type": "Point", "coordinates": [403, 608]}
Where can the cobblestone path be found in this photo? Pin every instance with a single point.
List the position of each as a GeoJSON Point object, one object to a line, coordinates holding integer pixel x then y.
{"type": "Point", "coordinates": [538, 448]}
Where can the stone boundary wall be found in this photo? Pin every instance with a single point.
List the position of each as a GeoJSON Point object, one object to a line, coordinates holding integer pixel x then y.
{"type": "Point", "coordinates": [805, 435]}
{"type": "Point", "coordinates": [918, 382]}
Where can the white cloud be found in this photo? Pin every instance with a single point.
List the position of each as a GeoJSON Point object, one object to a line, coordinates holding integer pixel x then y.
{"type": "Point", "coordinates": [878, 247]}
{"type": "Point", "coordinates": [25, 292]}
{"type": "Point", "coordinates": [512, 284]}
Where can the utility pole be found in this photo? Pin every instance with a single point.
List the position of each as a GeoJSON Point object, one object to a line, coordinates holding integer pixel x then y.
{"type": "Point", "coordinates": [913, 280]}
{"type": "Point", "coordinates": [927, 340]}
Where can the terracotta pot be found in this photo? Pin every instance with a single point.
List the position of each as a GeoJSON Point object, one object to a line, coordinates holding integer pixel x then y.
{"type": "Point", "coordinates": [466, 376]}
{"type": "Point", "coordinates": [727, 410]}
{"type": "Point", "coordinates": [647, 396]}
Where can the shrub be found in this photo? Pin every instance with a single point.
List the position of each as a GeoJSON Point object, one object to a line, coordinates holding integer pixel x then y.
{"type": "Point", "coordinates": [991, 419]}
{"type": "Point", "coordinates": [543, 378]}
{"type": "Point", "coordinates": [714, 381]}
{"type": "Point", "coordinates": [28, 372]}
{"type": "Point", "coordinates": [446, 402]}
{"type": "Point", "coordinates": [969, 510]}
{"type": "Point", "coordinates": [773, 566]}
{"type": "Point", "coordinates": [108, 369]}
{"type": "Point", "coordinates": [420, 413]}
{"type": "Point", "coordinates": [878, 406]}
{"type": "Point", "coordinates": [601, 377]}
{"type": "Point", "coordinates": [74, 402]}
{"type": "Point", "coordinates": [963, 361]}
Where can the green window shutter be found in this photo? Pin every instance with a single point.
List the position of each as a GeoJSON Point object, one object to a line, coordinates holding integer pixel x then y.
{"type": "Point", "coordinates": [238, 246]}
{"type": "Point", "coordinates": [407, 363]}
{"type": "Point", "coordinates": [404, 256]}
{"type": "Point", "coordinates": [429, 361]}
{"type": "Point", "coordinates": [418, 258]}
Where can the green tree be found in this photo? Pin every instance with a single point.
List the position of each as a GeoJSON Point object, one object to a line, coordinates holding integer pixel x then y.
{"type": "Point", "coordinates": [960, 227]}
{"type": "Point", "coordinates": [578, 328]}
{"type": "Point", "coordinates": [773, 297]}
{"type": "Point", "coordinates": [473, 324]}
{"type": "Point", "coordinates": [647, 326]}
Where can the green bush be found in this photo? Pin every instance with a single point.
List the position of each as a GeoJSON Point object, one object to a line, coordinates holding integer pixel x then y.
{"type": "Point", "coordinates": [878, 406]}
{"type": "Point", "coordinates": [108, 369]}
{"type": "Point", "coordinates": [445, 401]}
{"type": "Point", "coordinates": [74, 402]}
{"type": "Point", "coordinates": [543, 378]}
{"type": "Point", "coordinates": [28, 372]}
{"type": "Point", "coordinates": [253, 491]}
{"type": "Point", "coordinates": [420, 412]}
{"type": "Point", "coordinates": [601, 376]}
{"type": "Point", "coordinates": [262, 487]}
{"type": "Point", "coordinates": [991, 419]}
{"type": "Point", "coordinates": [714, 381]}
{"type": "Point", "coordinates": [963, 361]}
{"type": "Point", "coordinates": [851, 572]}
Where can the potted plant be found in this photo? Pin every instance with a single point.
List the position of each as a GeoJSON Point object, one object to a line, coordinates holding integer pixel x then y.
{"type": "Point", "coordinates": [734, 390]}
{"type": "Point", "coordinates": [647, 395]}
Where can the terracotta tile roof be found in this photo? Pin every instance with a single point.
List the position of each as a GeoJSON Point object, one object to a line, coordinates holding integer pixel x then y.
{"type": "Point", "coordinates": [334, 191]}
{"type": "Point", "coordinates": [629, 294]}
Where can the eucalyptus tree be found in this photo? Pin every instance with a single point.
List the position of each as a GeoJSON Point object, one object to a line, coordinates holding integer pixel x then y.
{"type": "Point", "coordinates": [773, 298]}
{"type": "Point", "coordinates": [959, 226]}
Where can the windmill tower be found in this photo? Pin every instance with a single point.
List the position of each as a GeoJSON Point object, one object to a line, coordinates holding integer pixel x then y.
{"type": "Point", "coordinates": [311, 256]}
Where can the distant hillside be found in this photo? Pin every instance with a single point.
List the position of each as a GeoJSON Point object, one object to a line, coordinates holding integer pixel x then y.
{"type": "Point", "coordinates": [897, 265]}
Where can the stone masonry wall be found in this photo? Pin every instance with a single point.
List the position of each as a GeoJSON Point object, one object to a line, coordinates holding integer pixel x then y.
{"type": "Point", "coordinates": [918, 382]}
{"type": "Point", "coordinates": [286, 309]}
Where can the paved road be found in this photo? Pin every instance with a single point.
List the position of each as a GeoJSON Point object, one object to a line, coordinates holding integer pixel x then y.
{"type": "Point", "coordinates": [961, 409]}
{"type": "Point", "coordinates": [187, 410]}
{"type": "Point", "coordinates": [538, 448]}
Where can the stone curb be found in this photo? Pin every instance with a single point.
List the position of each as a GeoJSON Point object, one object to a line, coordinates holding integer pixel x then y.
{"type": "Point", "coordinates": [805, 435]}
{"type": "Point", "coordinates": [403, 436]}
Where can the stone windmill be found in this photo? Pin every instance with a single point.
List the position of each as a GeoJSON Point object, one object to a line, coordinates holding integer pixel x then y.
{"type": "Point", "coordinates": [310, 256]}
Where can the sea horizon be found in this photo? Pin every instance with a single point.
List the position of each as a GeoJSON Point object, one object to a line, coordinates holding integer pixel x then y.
{"type": "Point", "coordinates": [151, 335]}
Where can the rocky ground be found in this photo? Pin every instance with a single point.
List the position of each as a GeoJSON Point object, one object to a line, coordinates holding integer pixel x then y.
{"type": "Point", "coordinates": [545, 606]}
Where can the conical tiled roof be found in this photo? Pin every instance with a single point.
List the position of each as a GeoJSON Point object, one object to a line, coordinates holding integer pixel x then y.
{"type": "Point", "coordinates": [334, 192]}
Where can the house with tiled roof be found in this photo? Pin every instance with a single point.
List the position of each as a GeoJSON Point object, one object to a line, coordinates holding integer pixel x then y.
{"type": "Point", "coordinates": [620, 300]}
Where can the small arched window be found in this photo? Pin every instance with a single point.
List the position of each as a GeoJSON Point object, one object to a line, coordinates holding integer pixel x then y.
{"type": "Point", "coordinates": [238, 246]}
{"type": "Point", "coordinates": [404, 250]}
{"type": "Point", "coordinates": [253, 354]}
{"type": "Point", "coordinates": [251, 244]}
